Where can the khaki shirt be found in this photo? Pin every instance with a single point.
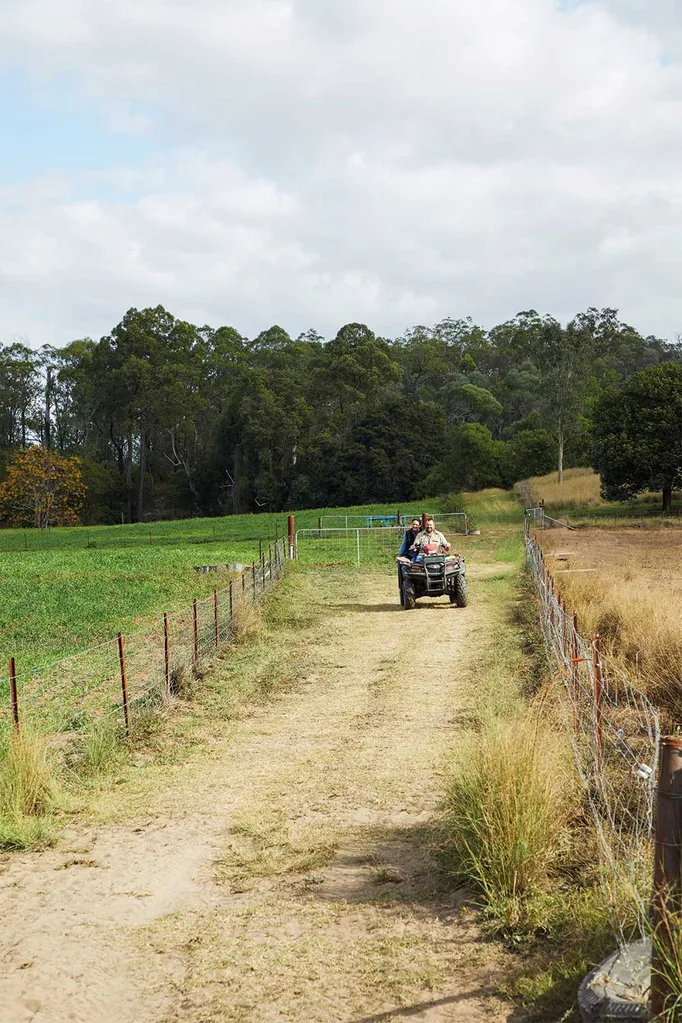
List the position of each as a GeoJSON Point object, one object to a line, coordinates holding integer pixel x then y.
{"type": "Point", "coordinates": [421, 539]}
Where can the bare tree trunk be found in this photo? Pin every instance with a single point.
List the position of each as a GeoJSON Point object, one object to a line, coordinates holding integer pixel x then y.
{"type": "Point", "coordinates": [48, 424]}
{"type": "Point", "coordinates": [560, 465]}
{"type": "Point", "coordinates": [667, 500]}
{"type": "Point", "coordinates": [140, 492]}
{"type": "Point", "coordinates": [129, 477]}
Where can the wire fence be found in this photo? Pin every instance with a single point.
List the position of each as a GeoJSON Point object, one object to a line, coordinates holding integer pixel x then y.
{"type": "Point", "coordinates": [113, 538]}
{"type": "Point", "coordinates": [124, 676]}
{"type": "Point", "coordinates": [615, 733]}
{"type": "Point", "coordinates": [377, 545]}
{"type": "Point", "coordinates": [454, 522]}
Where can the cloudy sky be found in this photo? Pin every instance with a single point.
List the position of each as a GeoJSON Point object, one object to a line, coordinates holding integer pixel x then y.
{"type": "Point", "coordinates": [311, 162]}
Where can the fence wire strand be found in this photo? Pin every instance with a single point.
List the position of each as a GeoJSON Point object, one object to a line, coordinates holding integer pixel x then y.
{"type": "Point", "coordinates": [375, 545]}
{"type": "Point", "coordinates": [65, 696]}
{"type": "Point", "coordinates": [614, 732]}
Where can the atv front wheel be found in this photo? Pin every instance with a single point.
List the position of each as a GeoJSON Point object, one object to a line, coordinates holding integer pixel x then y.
{"type": "Point", "coordinates": [409, 596]}
{"type": "Point", "coordinates": [460, 591]}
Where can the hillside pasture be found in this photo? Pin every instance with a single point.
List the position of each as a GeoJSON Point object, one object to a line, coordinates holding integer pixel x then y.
{"type": "Point", "coordinates": [578, 502]}
{"type": "Point", "coordinates": [68, 588]}
{"type": "Point", "coordinates": [626, 585]}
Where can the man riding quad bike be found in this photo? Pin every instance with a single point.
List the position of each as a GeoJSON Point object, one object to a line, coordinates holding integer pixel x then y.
{"type": "Point", "coordinates": [430, 570]}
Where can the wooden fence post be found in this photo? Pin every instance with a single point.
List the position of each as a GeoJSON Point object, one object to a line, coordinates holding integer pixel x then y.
{"type": "Point", "coordinates": [253, 579]}
{"type": "Point", "coordinates": [13, 697]}
{"type": "Point", "coordinates": [124, 682]}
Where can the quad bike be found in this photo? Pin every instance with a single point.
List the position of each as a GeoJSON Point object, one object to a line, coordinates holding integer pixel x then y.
{"type": "Point", "coordinates": [435, 575]}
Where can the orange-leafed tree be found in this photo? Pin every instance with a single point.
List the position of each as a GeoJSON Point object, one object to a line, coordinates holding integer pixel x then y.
{"type": "Point", "coordinates": [42, 488]}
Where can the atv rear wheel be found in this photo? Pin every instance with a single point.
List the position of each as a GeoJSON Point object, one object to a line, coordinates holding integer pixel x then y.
{"type": "Point", "coordinates": [460, 591]}
{"type": "Point", "coordinates": [409, 596]}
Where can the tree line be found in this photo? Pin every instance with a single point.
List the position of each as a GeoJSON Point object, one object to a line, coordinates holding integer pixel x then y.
{"type": "Point", "coordinates": [170, 419]}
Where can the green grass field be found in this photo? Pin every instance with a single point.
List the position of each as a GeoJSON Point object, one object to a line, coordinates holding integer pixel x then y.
{"type": "Point", "coordinates": [71, 588]}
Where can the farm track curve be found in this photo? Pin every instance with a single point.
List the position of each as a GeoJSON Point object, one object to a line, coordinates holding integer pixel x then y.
{"type": "Point", "coordinates": [289, 879]}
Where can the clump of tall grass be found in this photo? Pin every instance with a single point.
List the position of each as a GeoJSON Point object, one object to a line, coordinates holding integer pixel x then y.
{"type": "Point", "coordinates": [27, 778]}
{"type": "Point", "coordinates": [28, 791]}
{"type": "Point", "coordinates": [247, 623]}
{"type": "Point", "coordinates": [99, 748]}
{"type": "Point", "coordinates": [508, 810]}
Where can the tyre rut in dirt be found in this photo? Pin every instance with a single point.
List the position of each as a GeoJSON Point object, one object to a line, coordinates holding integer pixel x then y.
{"type": "Point", "coordinates": [461, 591]}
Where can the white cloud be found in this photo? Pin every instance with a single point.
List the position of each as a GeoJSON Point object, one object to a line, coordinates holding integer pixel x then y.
{"type": "Point", "coordinates": [388, 161]}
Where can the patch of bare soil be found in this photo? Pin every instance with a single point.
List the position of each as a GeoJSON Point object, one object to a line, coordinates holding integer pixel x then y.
{"type": "Point", "coordinates": [291, 879]}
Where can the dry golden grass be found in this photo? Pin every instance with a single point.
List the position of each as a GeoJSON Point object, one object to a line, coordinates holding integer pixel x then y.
{"type": "Point", "coordinates": [579, 490]}
{"type": "Point", "coordinates": [633, 599]}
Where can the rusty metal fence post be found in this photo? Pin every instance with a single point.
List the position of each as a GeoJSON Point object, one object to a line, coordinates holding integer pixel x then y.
{"type": "Point", "coordinates": [195, 631]}
{"type": "Point", "coordinates": [231, 599]}
{"type": "Point", "coordinates": [216, 616]}
{"type": "Point", "coordinates": [124, 682]}
{"type": "Point", "coordinates": [575, 675]}
{"type": "Point", "coordinates": [292, 537]}
{"type": "Point", "coordinates": [253, 579]}
{"type": "Point", "coordinates": [667, 900]}
{"type": "Point", "coordinates": [13, 697]}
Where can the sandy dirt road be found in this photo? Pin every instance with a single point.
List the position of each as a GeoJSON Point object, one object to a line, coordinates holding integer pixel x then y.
{"type": "Point", "coordinates": [286, 878]}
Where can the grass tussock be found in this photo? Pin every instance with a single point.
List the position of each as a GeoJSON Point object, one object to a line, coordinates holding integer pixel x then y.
{"type": "Point", "coordinates": [248, 623]}
{"type": "Point", "coordinates": [98, 749]}
{"type": "Point", "coordinates": [508, 812]}
{"type": "Point", "coordinates": [28, 792]}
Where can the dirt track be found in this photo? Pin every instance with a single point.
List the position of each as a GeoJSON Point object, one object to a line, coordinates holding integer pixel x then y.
{"type": "Point", "coordinates": [287, 880]}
